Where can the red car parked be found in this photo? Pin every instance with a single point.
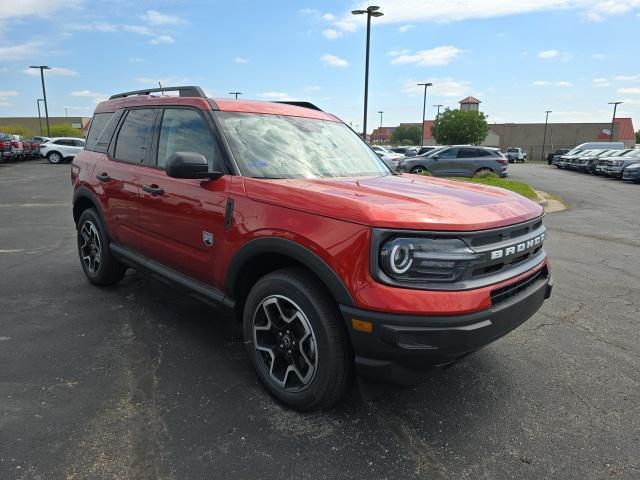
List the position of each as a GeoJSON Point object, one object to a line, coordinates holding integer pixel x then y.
{"type": "Point", "coordinates": [279, 211]}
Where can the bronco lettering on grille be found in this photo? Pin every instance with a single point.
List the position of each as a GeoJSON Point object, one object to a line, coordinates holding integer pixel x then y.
{"type": "Point", "coordinates": [517, 248]}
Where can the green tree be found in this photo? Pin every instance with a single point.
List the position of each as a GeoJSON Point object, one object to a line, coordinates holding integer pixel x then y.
{"type": "Point", "coordinates": [65, 130]}
{"type": "Point", "coordinates": [638, 136]}
{"type": "Point", "coordinates": [407, 134]}
{"type": "Point", "coordinates": [17, 129]}
{"type": "Point", "coordinates": [460, 127]}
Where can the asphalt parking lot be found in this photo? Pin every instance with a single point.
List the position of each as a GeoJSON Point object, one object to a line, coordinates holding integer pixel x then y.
{"type": "Point", "coordinates": [138, 381]}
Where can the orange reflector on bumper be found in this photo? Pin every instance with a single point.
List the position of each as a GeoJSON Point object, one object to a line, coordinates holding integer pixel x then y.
{"type": "Point", "coordinates": [362, 325]}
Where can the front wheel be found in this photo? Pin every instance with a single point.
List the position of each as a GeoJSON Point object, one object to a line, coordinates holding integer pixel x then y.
{"type": "Point", "coordinates": [54, 158]}
{"type": "Point", "coordinates": [98, 264]}
{"type": "Point", "coordinates": [296, 340]}
{"type": "Point", "coordinates": [418, 170]}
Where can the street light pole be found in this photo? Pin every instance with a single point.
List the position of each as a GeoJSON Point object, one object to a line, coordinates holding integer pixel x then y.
{"type": "Point", "coordinates": [40, 116]}
{"type": "Point", "coordinates": [613, 120]}
{"type": "Point", "coordinates": [42, 68]}
{"type": "Point", "coordinates": [380, 132]}
{"type": "Point", "coordinates": [437, 120]}
{"type": "Point", "coordinates": [424, 108]}
{"type": "Point", "coordinates": [371, 11]}
{"type": "Point", "coordinates": [235, 93]}
{"type": "Point", "coordinates": [66, 112]}
{"type": "Point", "coordinates": [544, 137]}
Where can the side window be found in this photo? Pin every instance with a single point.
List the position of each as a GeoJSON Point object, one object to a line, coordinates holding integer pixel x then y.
{"type": "Point", "coordinates": [98, 123]}
{"type": "Point", "coordinates": [78, 143]}
{"type": "Point", "coordinates": [470, 153]}
{"type": "Point", "coordinates": [185, 130]}
{"type": "Point", "coordinates": [448, 153]}
{"type": "Point", "coordinates": [133, 138]}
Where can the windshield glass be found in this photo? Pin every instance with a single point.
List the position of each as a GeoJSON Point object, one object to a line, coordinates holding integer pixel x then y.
{"type": "Point", "coordinates": [632, 153]}
{"type": "Point", "coordinates": [280, 146]}
{"type": "Point", "coordinates": [433, 152]}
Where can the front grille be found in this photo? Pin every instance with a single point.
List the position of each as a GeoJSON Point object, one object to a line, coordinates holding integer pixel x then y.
{"type": "Point", "coordinates": [499, 295]}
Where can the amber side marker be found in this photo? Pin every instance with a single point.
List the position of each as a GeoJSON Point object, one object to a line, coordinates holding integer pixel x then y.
{"type": "Point", "coordinates": [361, 325]}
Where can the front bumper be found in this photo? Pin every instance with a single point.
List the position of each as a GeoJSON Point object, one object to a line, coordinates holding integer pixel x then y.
{"type": "Point", "coordinates": [633, 174]}
{"type": "Point", "coordinates": [615, 172]}
{"type": "Point", "coordinates": [401, 349]}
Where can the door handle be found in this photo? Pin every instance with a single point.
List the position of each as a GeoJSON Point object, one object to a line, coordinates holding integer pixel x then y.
{"type": "Point", "coordinates": [103, 177]}
{"type": "Point", "coordinates": [153, 189]}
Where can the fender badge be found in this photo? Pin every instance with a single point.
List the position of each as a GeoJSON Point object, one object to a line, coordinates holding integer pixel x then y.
{"type": "Point", "coordinates": [207, 238]}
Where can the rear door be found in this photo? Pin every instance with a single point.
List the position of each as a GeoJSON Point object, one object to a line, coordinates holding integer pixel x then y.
{"type": "Point", "coordinates": [182, 220]}
{"type": "Point", "coordinates": [118, 173]}
{"type": "Point", "coordinates": [470, 160]}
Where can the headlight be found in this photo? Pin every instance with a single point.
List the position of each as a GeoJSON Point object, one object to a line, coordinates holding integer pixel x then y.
{"type": "Point", "coordinates": [425, 260]}
{"type": "Point", "coordinates": [634, 166]}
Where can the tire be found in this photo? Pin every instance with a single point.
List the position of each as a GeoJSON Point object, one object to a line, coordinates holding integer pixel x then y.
{"type": "Point", "coordinates": [304, 328]}
{"type": "Point", "coordinates": [483, 170]}
{"type": "Point", "coordinates": [418, 170]}
{"type": "Point", "coordinates": [55, 158]}
{"type": "Point", "coordinates": [98, 264]}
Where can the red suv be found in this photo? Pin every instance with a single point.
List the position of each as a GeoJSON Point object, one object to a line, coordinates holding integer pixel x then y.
{"type": "Point", "coordinates": [279, 211]}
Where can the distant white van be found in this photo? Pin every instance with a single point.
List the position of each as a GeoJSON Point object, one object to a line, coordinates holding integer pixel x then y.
{"type": "Point", "coordinates": [597, 146]}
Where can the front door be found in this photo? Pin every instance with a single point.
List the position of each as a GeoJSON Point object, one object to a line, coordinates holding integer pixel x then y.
{"type": "Point", "coordinates": [444, 163]}
{"type": "Point", "coordinates": [182, 220]}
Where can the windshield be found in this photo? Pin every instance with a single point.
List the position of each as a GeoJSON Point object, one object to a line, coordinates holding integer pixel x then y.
{"type": "Point", "coordinates": [632, 153]}
{"type": "Point", "coordinates": [280, 146]}
{"type": "Point", "coordinates": [433, 152]}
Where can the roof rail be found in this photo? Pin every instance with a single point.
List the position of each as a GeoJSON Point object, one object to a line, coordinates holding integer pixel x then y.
{"type": "Point", "coordinates": [301, 104]}
{"type": "Point", "coordinates": [187, 91]}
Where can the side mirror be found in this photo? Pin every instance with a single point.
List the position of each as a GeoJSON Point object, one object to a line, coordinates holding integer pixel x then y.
{"type": "Point", "coordinates": [189, 165]}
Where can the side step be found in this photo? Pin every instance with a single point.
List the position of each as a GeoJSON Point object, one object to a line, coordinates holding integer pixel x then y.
{"type": "Point", "coordinates": [196, 288]}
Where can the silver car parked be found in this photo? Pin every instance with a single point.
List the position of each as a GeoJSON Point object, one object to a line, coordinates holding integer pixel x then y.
{"type": "Point", "coordinates": [457, 161]}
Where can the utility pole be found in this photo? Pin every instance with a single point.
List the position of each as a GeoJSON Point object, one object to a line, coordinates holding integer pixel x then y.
{"type": "Point", "coordinates": [380, 132]}
{"type": "Point", "coordinates": [613, 120]}
{"type": "Point", "coordinates": [424, 108]}
{"type": "Point", "coordinates": [66, 112]}
{"type": "Point", "coordinates": [544, 137]}
{"type": "Point", "coordinates": [42, 68]}
{"type": "Point", "coordinates": [235, 93]}
{"type": "Point", "coordinates": [371, 11]}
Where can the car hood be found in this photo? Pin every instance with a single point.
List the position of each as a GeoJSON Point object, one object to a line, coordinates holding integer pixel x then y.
{"type": "Point", "coordinates": [399, 201]}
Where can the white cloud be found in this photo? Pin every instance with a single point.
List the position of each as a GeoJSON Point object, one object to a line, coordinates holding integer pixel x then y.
{"type": "Point", "coordinates": [162, 39]}
{"type": "Point", "coordinates": [331, 34]}
{"type": "Point", "coordinates": [444, 87]}
{"type": "Point", "coordinates": [541, 83]}
{"type": "Point", "coordinates": [65, 72]}
{"type": "Point", "coordinates": [631, 101]}
{"type": "Point", "coordinates": [334, 61]}
{"type": "Point", "coordinates": [329, 17]}
{"type": "Point", "coordinates": [138, 60]}
{"type": "Point", "coordinates": [14, 52]}
{"type": "Point", "coordinates": [564, 84]}
{"type": "Point", "coordinates": [153, 17]}
{"type": "Point", "coordinates": [601, 82]}
{"type": "Point", "coordinates": [396, 53]}
{"type": "Point", "coordinates": [627, 78]}
{"type": "Point", "coordinates": [275, 95]}
{"type": "Point", "coordinates": [598, 56]}
{"type": "Point", "coordinates": [87, 94]}
{"type": "Point", "coordinates": [405, 28]}
{"type": "Point", "coordinates": [412, 11]}
{"type": "Point", "coordinates": [348, 25]}
{"type": "Point", "coordinates": [548, 54]}
{"type": "Point", "coordinates": [546, 83]}
{"type": "Point", "coordinates": [41, 8]}
{"type": "Point", "coordinates": [5, 95]}
{"type": "Point", "coordinates": [102, 27]}
{"type": "Point", "coordinates": [312, 88]}
{"type": "Point", "coordinates": [428, 58]}
{"type": "Point", "coordinates": [241, 60]}
{"type": "Point", "coordinates": [630, 90]}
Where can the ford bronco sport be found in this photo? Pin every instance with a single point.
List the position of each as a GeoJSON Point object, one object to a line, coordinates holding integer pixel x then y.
{"type": "Point", "coordinates": [279, 211]}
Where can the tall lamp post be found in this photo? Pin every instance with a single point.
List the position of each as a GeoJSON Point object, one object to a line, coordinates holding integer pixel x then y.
{"type": "Point", "coordinates": [437, 120]}
{"type": "Point", "coordinates": [613, 120]}
{"type": "Point", "coordinates": [424, 108]}
{"type": "Point", "coordinates": [544, 137]}
{"type": "Point", "coordinates": [235, 93]}
{"type": "Point", "coordinates": [40, 116]}
{"type": "Point", "coordinates": [371, 11]}
{"type": "Point", "coordinates": [42, 68]}
{"type": "Point", "coordinates": [380, 132]}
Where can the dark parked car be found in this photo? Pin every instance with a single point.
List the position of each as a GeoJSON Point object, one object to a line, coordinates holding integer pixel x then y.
{"type": "Point", "coordinates": [632, 172]}
{"type": "Point", "coordinates": [588, 162]}
{"type": "Point", "coordinates": [6, 149]}
{"type": "Point", "coordinates": [407, 151]}
{"type": "Point", "coordinates": [557, 153]}
{"type": "Point", "coordinates": [457, 161]}
{"type": "Point", "coordinates": [614, 168]}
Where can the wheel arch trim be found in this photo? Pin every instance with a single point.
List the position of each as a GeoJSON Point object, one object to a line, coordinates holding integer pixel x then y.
{"type": "Point", "coordinates": [294, 250]}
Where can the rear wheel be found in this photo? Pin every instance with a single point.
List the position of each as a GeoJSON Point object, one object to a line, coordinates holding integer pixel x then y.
{"type": "Point", "coordinates": [54, 158]}
{"type": "Point", "coordinates": [483, 171]}
{"type": "Point", "coordinates": [296, 340]}
{"type": "Point", "coordinates": [98, 264]}
{"type": "Point", "coordinates": [418, 170]}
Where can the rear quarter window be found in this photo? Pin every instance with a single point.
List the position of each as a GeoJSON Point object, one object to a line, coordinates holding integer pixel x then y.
{"type": "Point", "coordinates": [98, 123]}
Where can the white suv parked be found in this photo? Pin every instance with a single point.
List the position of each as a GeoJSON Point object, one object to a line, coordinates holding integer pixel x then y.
{"type": "Point", "coordinates": [60, 149]}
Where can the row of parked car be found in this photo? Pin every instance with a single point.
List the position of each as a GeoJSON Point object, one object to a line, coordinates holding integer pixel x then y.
{"type": "Point", "coordinates": [447, 161]}
{"type": "Point", "coordinates": [610, 160]}
{"type": "Point", "coordinates": [57, 150]}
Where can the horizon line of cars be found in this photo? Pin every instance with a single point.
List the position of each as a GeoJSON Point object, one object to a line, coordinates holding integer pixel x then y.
{"type": "Point", "coordinates": [55, 149]}
{"type": "Point", "coordinates": [608, 159]}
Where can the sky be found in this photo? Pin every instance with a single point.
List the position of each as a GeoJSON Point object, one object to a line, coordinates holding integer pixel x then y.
{"type": "Point", "coordinates": [519, 57]}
